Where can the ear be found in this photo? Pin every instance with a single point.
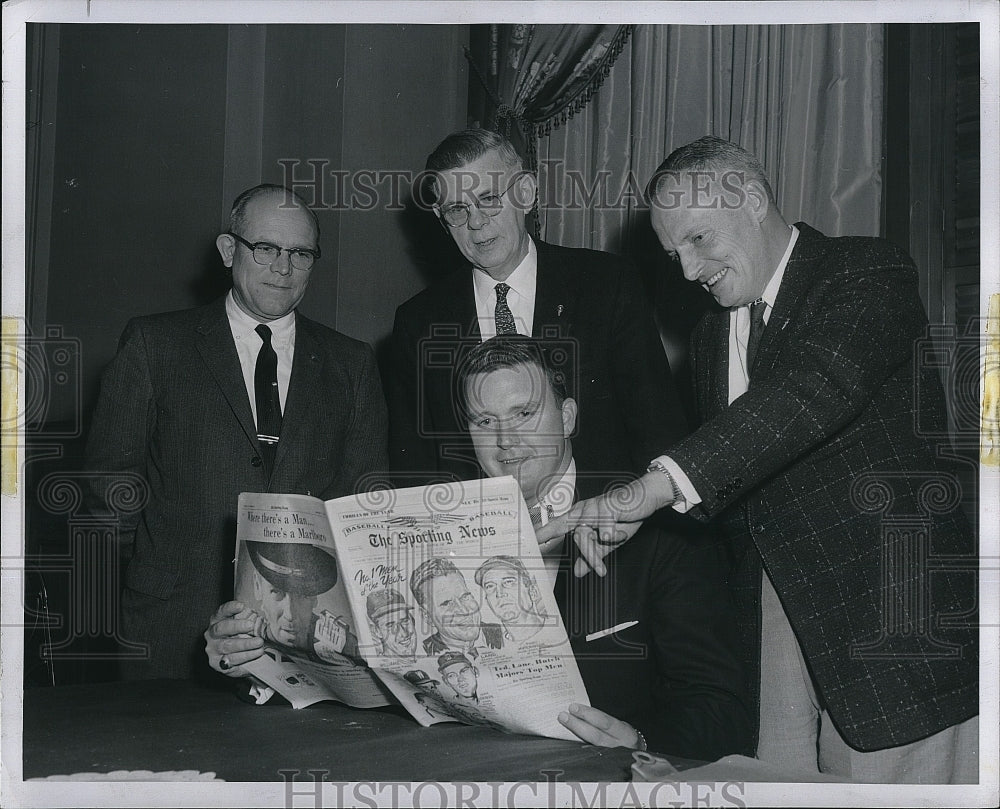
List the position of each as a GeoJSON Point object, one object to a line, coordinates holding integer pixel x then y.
{"type": "Point", "coordinates": [257, 589]}
{"type": "Point", "coordinates": [756, 199]}
{"type": "Point", "coordinates": [569, 413]}
{"type": "Point", "coordinates": [226, 245]}
{"type": "Point", "coordinates": [527, 190]}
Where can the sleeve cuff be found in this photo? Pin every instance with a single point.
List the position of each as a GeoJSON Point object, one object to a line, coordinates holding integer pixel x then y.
{"type": "Point", "coordinates": [689, 495]}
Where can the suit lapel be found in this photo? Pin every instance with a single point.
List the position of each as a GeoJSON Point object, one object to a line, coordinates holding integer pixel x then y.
{"type": "Point", "coordinates": [218, 351]}
{"type": "Point", "coordinates": [458, 303]}
{"type": "Point", "coordinates": [305, 379]}
{"type": "Point", "coordinates": [555, 295]}
{"type": "Point", "coordinates": [794, 287]}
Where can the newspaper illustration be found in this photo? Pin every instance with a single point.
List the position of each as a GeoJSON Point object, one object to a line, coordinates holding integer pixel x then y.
{"type": "Point", "coordinates": [287, 573]}
{"type": "Point", "coordinates": [437, 595]}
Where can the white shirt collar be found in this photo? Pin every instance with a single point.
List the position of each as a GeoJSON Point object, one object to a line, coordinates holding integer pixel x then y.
{"type": "Point", "coordinates": [522, 280]}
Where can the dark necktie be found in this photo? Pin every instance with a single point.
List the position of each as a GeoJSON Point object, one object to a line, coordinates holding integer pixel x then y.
{"type": "Point", "coordinates": [265, 382]}
{"type": "Point", "coordinates": [504, 318]}
{"type": "Point", "coordinates": [757, 326]}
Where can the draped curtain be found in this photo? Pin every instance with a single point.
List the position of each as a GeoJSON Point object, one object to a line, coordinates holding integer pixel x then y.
{"type": "Point", "coordinates": [538, 76]}
{"type": "Point", "coordinates": [807, 99]}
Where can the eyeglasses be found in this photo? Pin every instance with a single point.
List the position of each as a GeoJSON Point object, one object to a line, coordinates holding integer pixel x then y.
{"type": "Point", "coordinates": [266, 254]}
{"type": "Point", "coordinates": [490, 204]}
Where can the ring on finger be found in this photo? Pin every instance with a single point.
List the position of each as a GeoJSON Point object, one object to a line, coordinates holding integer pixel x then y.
{"type": "Point", "coordinates": [224, 664]}
{"type": "Point", "coordinates": [607, 543]}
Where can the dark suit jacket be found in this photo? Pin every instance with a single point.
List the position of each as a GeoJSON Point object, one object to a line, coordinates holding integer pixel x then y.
{"type": "Point", "coordinates": [819, 471]}
{"type": "Point", "coordinates": [676, 674]}
{"type": "Point", "coordinates": [617, 370]}
{"type": "Point", "coordinates": [174, 409]}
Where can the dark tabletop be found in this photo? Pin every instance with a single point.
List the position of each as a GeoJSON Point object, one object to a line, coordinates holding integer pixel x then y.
{"type": "Point", "coordinates": [165, 725]}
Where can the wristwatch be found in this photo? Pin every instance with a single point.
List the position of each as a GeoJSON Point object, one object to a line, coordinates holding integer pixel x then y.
{"type": "Point", "coordinates": [675, 490]}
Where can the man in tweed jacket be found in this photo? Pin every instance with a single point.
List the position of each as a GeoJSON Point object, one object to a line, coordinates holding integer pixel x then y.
{"type": "Point", "coordinates": [809, 460]}
{"type": "Point", "coordinates": [177, 408]}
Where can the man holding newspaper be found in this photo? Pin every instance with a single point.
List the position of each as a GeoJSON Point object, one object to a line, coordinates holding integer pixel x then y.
{"type": "Point", "coordinates": [652, 640]}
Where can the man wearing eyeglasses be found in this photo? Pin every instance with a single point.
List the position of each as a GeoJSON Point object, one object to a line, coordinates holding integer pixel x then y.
{"type": "Point", "coordinates": [510, 283]}
{"type": "Point", "coordinates": [244, 394]}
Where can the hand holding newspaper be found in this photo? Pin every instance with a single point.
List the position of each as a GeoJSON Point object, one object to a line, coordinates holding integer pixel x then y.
{"type": "Point", "coordinates": [435, 597]}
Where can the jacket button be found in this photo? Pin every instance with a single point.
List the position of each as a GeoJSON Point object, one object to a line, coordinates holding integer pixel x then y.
{"type": "Point", "coordinates": [256, 461]}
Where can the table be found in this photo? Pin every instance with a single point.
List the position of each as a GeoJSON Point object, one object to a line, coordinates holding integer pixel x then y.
{"type": "Point", "coordinates": [164, 725]}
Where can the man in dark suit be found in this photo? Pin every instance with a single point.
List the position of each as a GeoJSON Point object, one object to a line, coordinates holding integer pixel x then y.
{"type": "Point", "coordinates": [243, 394]}
{"type": "Point", "coordinates": [810, 459]}
{"type": "Point", "coordinates": [594, 301]}
{"type": "Point", "coordinates": [656, 639]}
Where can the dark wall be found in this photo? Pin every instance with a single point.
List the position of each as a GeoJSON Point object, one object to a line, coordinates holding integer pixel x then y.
{"type": "Point", "coordinates": [137, 179]}
{"type": "Point", "coordinates": [157, 128]}
{"type": "Point", "coordinates": [139, 138]}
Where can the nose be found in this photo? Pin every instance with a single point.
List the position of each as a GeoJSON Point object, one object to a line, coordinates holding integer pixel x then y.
{"type": "Point", "coordinates": [477, 218]}
{"type": "Point", "coordinates": [506, 436]}
{"type": "Point", "coordinates": [690, 265]}
{"type": "Point", "coordinates": [285, 606]}
{"type": "Point", "coordinates": [281, 264]}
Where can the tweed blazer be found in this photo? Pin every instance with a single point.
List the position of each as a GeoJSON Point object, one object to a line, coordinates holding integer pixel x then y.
{"type": "Point", "coordinates": [594, 304]}
{"type": "Point", "coordinates": [174, 409]}
{"type": "Point", "coordinates": [820, 473]}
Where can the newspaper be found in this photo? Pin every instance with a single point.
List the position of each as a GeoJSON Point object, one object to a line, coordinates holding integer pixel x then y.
{"type": "Point", "coordinates": [435, 597]}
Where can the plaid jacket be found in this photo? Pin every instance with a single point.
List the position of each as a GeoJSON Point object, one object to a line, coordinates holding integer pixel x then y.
{"type": "Point", "coordinates": [820, 473]}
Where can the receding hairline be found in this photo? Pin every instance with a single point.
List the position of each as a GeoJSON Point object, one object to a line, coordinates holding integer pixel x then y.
{"type": "Point", "coordinates": [259, 193]}
{"type": "Point", "coordinates": [709, 154]}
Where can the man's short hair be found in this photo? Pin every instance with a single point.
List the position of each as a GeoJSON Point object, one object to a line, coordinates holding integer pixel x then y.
{"type": "Point", "coordinates": [432, 568]}
{"type": "Point", "coordinates": [511, 562]}
{"type": "Point", "coordinates": [508, 351]}
{"type": "Point", "coordinates": [709, 153]}
{"type": "Point", "coordinates": [238, 214]}
{"type": "Point", "coordinates": [465, 146]}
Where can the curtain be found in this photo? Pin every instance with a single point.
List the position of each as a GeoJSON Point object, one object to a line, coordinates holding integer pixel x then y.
{"type": "Point", "coordinates": [538, 76]}
{"type": "Point", "coordinates": [806, 99]}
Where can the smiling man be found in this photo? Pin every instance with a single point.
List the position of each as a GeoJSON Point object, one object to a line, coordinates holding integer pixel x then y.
{"type": "Point", "coordinates": [820, 438]}
{"type": "Point", "coordinates": [512, 283]}
{"type": "Point", "coordinates": [244, 394]}
{"type": "Point", "coordinates": [655, 640]}
{"type": "Point", "coordinates": [452, 610]}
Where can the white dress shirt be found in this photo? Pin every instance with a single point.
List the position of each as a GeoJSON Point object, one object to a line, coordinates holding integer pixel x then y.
{"type": "Point", "coordinates": [739, 374]}
{"type": "Point", "coordinates": [248, 345]}
{"type": "Point", "coordinates": [520, 296]}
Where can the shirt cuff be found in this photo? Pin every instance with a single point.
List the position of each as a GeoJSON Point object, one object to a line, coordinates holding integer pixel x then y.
{"type": "Point", "coordinates": [689, 495]}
